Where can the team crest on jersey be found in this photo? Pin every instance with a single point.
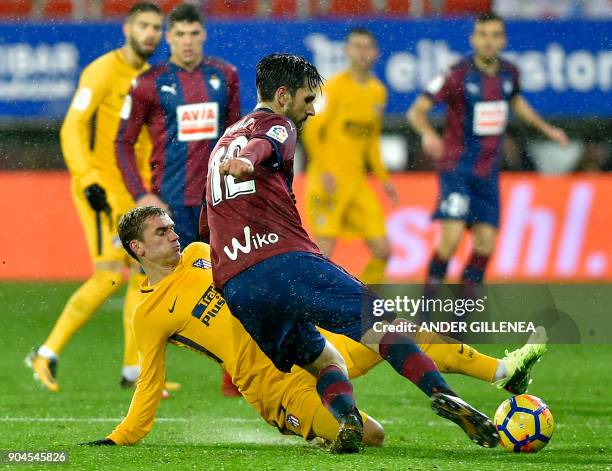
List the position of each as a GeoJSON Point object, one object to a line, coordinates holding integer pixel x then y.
{"type": "Point", "coordinates": [201, 263]}
{"type": "Point", "coordinates": [472, 88]}
{"type": "Point", "coordinates": [507, 86]}
{"type": "Point", "coordinates": [278, 133]}
{"type": "Point", "coordinates": [215, 81]}
{"type": "Point", "coordinates": [293, 420]}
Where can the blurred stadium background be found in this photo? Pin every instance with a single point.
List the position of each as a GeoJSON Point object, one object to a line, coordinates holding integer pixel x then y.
{"type": "Point", "coordinates": [556, 201]}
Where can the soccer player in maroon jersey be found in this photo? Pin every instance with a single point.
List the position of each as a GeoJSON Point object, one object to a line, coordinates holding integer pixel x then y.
{"type": "Point", "coordinates": [186, 104]}
{"type": "Point", "coordinates": [274, 278]}
{"type": "Point", "coordinates": [478, 91]}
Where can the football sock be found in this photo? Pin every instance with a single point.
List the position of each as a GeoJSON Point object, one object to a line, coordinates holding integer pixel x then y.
{"type": "Point", "coordinates": [324, 425]}
{"type": "Point", "coordinates": [132, 296]}
{"type": "Point", "coordinates": [46, 352]}
{"type": "Point", "coordinates": [374, 272]}
{"type": "Point", "coordinates": [409, 361]}
{"type": "Point", "coordinates": [435, 275]}
{"type": "Point", "coordinates": [130, 373]}
{"type": "Point", "coordinates": [81, 306]}
{"type": "Point", "coordinates": [336, 391]}
{"type": "Point", "coordinates": [459, 357]}
{"type": "Point", "coordinates": [475, 269]}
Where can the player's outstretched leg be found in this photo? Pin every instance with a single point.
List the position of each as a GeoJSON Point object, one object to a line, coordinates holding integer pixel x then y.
{"type": "Point", "coordinates": [474, 423]}
{"type": "Point", "coordinates": [519, 363]}
{"type": "Point", "coordinates": [404, 355]}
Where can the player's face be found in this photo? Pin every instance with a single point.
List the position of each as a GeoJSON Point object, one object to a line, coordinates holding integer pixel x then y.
{"type": "Point", "coordinates": [143, 33]}
{"type": "Point", "coordinates": [300, 106]}
{"type": "Point", "coordinates": [186, 41]}
{"type": "Point", "coordinates": [160, 244]}
{"type": "Point", "coordinates": [361, 52]}
{"type": "Point", "coordinates": [488, 39]}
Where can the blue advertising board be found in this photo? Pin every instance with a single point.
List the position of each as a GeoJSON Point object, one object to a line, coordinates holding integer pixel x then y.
{"type": "Point", "coordinates": [566, 66]}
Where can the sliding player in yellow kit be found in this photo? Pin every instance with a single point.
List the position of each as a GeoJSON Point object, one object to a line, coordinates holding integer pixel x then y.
{"type": "Point", "coordinates": [343, 143]}
{"type": "Point", "coordinates": [87, 138]}
{"type": "Point", "coordinates": [180, 306]}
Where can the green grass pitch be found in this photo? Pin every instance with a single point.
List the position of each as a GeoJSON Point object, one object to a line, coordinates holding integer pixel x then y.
{"type": "Point", "coordinates": [199, 429]}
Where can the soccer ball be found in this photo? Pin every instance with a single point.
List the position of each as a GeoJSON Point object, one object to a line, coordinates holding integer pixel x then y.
{"type": "Point", "coordinates": [525, 424]}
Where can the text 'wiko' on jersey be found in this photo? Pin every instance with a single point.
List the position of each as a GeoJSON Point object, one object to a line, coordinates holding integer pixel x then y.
{"type": "Point", "coordinates": [477, 115]}
{"type": "Point", "coordinates": [185, 112]}
{"type": "Point", "coordinates": [255, 219]}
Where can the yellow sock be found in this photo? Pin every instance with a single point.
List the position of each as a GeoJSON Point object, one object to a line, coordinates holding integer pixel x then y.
{"type": "Point", "coordinates": [457, 357]}
{"type": "Point", "coordinates": [132, 296]}
{"type": "Point", "coordinates": [81, 306]}
{"type": "Point", "coordinates": [374, 272]}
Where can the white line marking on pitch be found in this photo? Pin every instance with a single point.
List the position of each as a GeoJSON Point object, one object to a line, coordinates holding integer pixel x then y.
{"type": "Point", "coordinates": [117, 419]}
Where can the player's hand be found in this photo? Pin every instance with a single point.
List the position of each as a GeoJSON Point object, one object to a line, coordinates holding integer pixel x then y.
{"type": "Point", "coordinates": [329, 183]}
{"type": "Point", "coordinates": [149, 199]}
{"type": "Point", "coordinates": [238, 167]}
{"type": "Point", "coordinates": [96, 197]}
{"type": "Point", "coordinates": [433, 145]}
{"type": "Point", "coordinates": [102, 442]}
{"type": "Point", "coordinates": [391, 192]}
{"type": "Point", "coordinates": [558, 135]}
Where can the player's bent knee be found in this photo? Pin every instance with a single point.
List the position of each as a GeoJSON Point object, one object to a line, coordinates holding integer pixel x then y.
{"type": "Point", "coordinates": [373, 433]}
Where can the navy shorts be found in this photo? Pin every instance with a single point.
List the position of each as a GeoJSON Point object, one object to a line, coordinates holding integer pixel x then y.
{"type": "Point", "coordinates": [186, 223]}
{"type": "Point", "coordinates": [281, 299]}
{"type": "Point", "coordinates": [468, 198]}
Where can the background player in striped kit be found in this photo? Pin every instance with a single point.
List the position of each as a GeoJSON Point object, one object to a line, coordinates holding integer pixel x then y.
{"type": "Point", "coordinates": [478, 92]}
{"type": "Point", "coordinates": [187, 103]}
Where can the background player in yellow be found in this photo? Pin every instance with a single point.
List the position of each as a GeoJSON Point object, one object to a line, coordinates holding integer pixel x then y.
{"type": "Point", "coordinates": [87, 138]}
{"type": "Point", "coordinates": [180, 305]}
{"type": "Point", "coordinates": [343, 144]}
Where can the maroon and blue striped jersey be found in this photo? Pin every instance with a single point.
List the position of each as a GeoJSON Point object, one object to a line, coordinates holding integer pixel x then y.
{"type": "Point", "coordinates": [476, 117]}
{"type": "Point", "coordinates": [255, 219]}
{"type": "Point", "coordinates": [186, 113]}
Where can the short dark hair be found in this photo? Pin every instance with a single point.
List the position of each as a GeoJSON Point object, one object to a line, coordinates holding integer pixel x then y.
{"type": "Point", "coordinates": [142, 7]}
{"type": "Point", "coordinates": [185, 12]}
{"type": "Point", "coordinates": [489, 16]}
{"type": "Point", "coordinates": [131, 225]}
{"type": "Point", "coordinates": [278, 70]}
{"type": "Point", "coordinates": [361, 31]}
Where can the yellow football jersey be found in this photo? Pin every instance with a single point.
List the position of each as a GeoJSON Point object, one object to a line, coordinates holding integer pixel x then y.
{"type": "Point", "coordinates": [88, 132]}
{"type": "Point", "coordinates": [184, 309]}
{"type": "Point", "coordinates": [343, 138]}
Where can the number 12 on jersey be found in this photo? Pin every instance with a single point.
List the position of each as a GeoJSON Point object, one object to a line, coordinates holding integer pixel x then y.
{"type": "Point", "coordinates": [233, 189]}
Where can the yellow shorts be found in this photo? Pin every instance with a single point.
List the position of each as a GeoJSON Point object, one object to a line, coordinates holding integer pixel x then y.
{"type": "Point", "coordinates": [100, 230]}
{"type": "Point", "coordinates": [351, 211]}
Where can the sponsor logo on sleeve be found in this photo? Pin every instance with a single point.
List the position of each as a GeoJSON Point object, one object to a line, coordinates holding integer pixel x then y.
{"type": "Point", "coordinates": [278, 133]}
{"type": "Point", "coordinates": [126, 109]}
{"type": "Point", "coordinates": [82, 99]}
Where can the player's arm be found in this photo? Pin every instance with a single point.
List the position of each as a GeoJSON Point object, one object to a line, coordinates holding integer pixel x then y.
{"type": "Point", "coordinates": [151, 340]}
{"type": "Point", "coordinates": [134, 114]}
{"type": "Point", "coordinates": [418, 118]}
{"type": "Point", "coordinates": [442, 89]}
{"type": "Point", "coordinates": [375, 157]}
{"type": "Point", "coordinates": [75, 135]}
{"type": "Point", "coordinates": [272, 143]}
{"type": "Point", "coordinates": [523, 110]}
